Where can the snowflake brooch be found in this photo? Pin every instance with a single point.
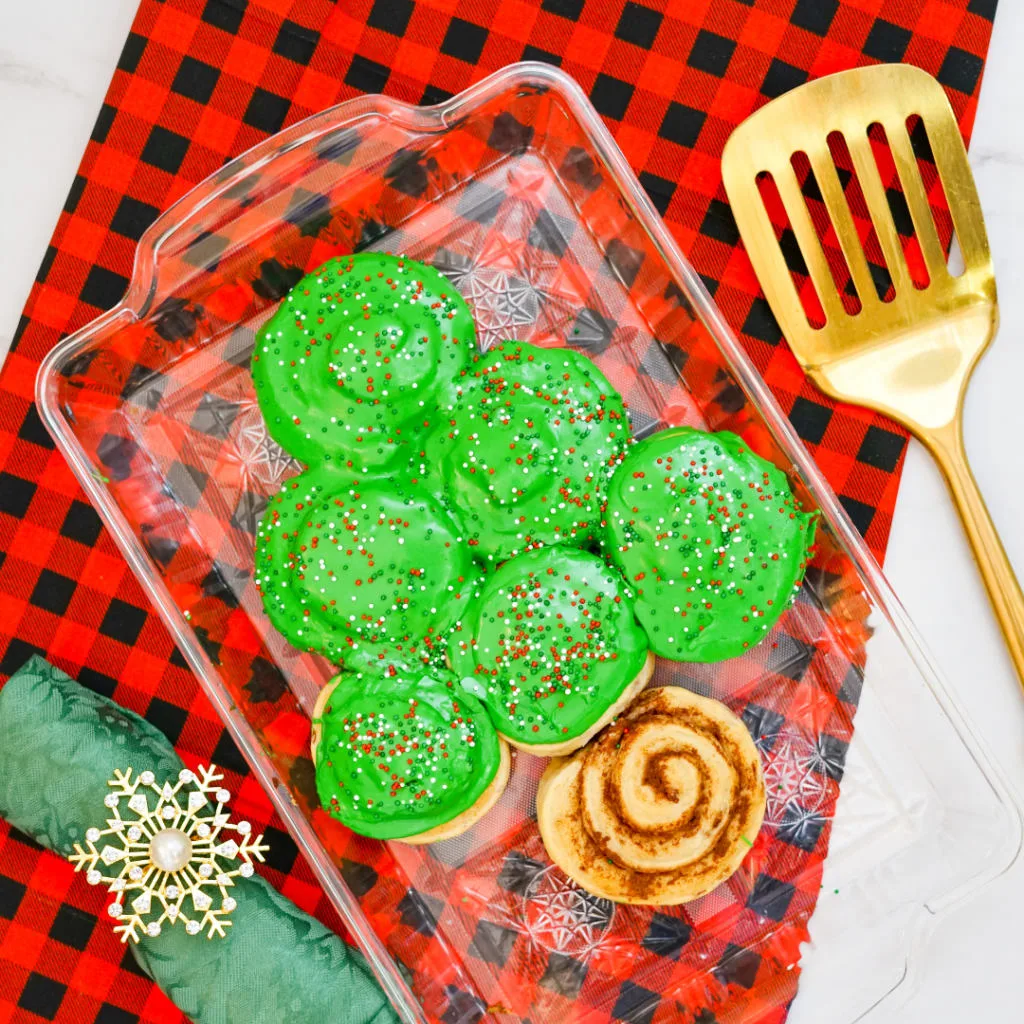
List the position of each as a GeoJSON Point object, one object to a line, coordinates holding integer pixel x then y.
{"type": "Point", "coordinates": [166, 851]}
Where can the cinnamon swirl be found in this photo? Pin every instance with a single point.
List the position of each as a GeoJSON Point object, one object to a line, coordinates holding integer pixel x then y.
{"type": "Point", "coordinates": [661, 807]}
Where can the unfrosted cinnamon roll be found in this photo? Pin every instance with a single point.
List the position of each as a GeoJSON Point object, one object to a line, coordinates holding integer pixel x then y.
{"type": "Point", "coordinates": [661, 807]}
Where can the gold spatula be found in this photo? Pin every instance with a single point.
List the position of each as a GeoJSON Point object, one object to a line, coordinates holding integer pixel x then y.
{"type": "Point", "coordinates": [911, 357]}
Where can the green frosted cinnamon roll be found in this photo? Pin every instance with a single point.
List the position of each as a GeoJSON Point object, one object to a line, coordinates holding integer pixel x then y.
{"type": "Point", "coordinates": [411, 756]}
{"type": "Point", "coordinates": [552, 648]}
{"type": "Point", "coordinates": [357, 356]}
{"type": "Point", "coordinates": [525, 450]}
{"type": "Point", "coordinates": [711, 539]}
{"type": "Point", "coordinates": [355, 569]}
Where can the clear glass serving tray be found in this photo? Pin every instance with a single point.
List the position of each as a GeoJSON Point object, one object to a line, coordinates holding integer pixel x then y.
{"type": "Point", "coordinates": [516, 191]}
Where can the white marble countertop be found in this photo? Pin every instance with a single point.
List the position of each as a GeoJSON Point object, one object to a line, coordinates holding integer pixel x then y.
{"type": "Point", "coordinates": [54, 71]}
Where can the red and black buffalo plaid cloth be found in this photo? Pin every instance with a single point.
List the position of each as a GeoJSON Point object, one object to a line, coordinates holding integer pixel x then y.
{"type": "Point", "coordinates": [199, 81]}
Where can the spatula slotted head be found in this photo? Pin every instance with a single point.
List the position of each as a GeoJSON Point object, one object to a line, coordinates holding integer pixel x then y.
{"type": "Point", "coordinates": [897, 355]}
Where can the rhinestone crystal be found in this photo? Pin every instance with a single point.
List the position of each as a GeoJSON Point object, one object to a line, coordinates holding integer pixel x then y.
{"type": "Point", "coordinates": [147, 778]}
{"type": "Point", "coordinates": [92, 834]}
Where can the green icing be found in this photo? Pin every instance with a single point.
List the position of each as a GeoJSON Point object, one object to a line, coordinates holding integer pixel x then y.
{"type": "Point", "coordinates": [358, 355]}
{"type": "Point", "coordinates": [526, 447]}
{"type": "Point", "coordinates": [551, 643]}
{"type": "Point", "coordinates": [401, 755]}
{"type": "Point", "coordinates": [347, 568]}
{"type": "Point", "coordinates": [710, 537]}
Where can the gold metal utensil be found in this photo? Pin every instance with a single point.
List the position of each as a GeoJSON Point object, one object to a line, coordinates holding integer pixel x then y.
{"type": "Point", "coordinates": [910, 358]}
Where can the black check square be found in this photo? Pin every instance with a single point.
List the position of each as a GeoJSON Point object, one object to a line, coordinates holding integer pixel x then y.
{"type": "Point", "coordinates": [900, 211]}
{"type": "Point", "coordinates": [770, 897]}
{"type": "Point", "coordinates": [104, 120]}
{"type": "Point", "coordinates": [366, 75]}
{"type": "Point", "coordinates": [682, 124]}
{"type": "Point", "coordinates": [711, 53]}
{"type": "Point", "coordinates": [131, 218]}
{"type": "Point", "coordinates": [624, 260]}
{"type": "Point", "coordinates": [195, 79]}
{"type": "Point", "coordinates": [667, 936]}
{"type": "Point", "coordinates": [46, 263]}
{"type": "Point", "coordinates": [480, 202]}
{"type": "Point", "coordinates": [782, 77]}
{"type": "Point", "coordinates": [814, 15]}
{"type": "Point", "coordinates": [419, 911]}
{"type": "Point", "coordinates": [283, 851]}
{"type": "Point", "coordinates": [101, 126]}
{"type": "Point", "coordinates": [859, 512]}
{"type": "Point", "coordinates": [75, 194]}
{"type": "Point", "coordinates": [42, 995]}
{"type": "Point", "coordinates": [165, 149]}
{"type": "Point", "coordinates": [492, 942]}
{"type": "Point", "coordinates": [550, 232]}
{"type": "Point", "coordinates": [53, 591]}
{"type": "Point", "coordinates": [881, 448]}
{"type": "Point", "coordinates": [131, 53]}
{"type": "Point", "coordinates": [15, 494]}
{"type": "Point", "coordinates": [11, 894]}
{"type": "Point", "coordinates": [571, 9]}
{"type": "Point", "coordinates": [853, 684]}
{"type": "Point", "coordinates": [123, 621]}
{"type": "Point", "coordinates": [960, 70]}
{"type": "Point", "coordinates": [225, 14]}
{"type": "Point", "coordinates": [536, 53]}
{"type": "Point", "coordinates": [167, 717]}
{"type": "Point", "coordinates": [811, 419]}
{"type": "Point", "coordinates": [830, 756]}
{"type": "Point", "coordinates": [97, 681]}
{"type": "Point", "coordinates": [518, 873]}
{"type": "Point", "coordinates": [983, 8]}
{"type": "Point", "coordinates": [639, 25]}
{"type": "Point", "coordinates": [564, 975]}
{"type": "Point", "coordinates": [360, 878]}
{"type": "Point", "coordinates": [659, 190]}
{"type": "Point", "coordinates": [32, 429]}
{"type": "Point", "coordinates": [226, 755]}
{"type": "Point", "coordinates": [103, 288]}
{"type": "Point", "coordinates": [635, 1004]}
{"type": "Point", "coordinates": [72, 926]}
{"type": "Point", "coordinates": [266, 111]}
{"type": "Point", "coordinates": [214, 416]}
{"type": "Point", "coordinates": [391, 16]}
{"type": "Point", "coordinates": [761, 323]}
{"type": "Point", "coordinates": [763, 724]}
{"type": "Point", "coordinates": [464, 40]}
{"type": "Point", "coordinates": [738, 966]}
{"type": "Point", "coordinates": [185, 483]}
{"type": "Point", "coordinates": [719, 223]}
{"type": "Point", "coordinates": [18, 652]}
{"type": "Point", "coordinates": [295, 42]}
{"type": "Point", "coordinates": [611, 96]}
{"type": "Point", "coordinates": [110, 1014]}
{"type": "Point", "coordinates": [887, 42]}
{"type": "Point", "coordinates": [800, 827]}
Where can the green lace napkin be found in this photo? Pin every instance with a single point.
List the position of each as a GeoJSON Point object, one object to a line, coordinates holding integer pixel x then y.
{"type": "Point", "coordinates": [59, 744]}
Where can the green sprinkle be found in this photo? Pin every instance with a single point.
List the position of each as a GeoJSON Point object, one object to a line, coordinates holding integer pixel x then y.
{"type": "Point", "coordinates": [746, 840]}
{"type": "Point", "coordinates": [97, 475]}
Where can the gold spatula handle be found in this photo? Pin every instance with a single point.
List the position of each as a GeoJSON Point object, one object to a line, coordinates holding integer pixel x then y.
{"type": "Point", "coordinates": [947, 445]}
